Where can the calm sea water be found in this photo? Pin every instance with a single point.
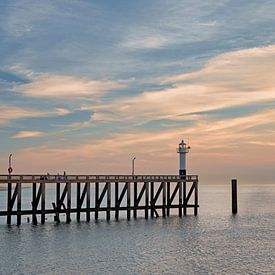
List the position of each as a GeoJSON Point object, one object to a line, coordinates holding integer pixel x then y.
{"type": "Point", "coordinates": [214, 242]}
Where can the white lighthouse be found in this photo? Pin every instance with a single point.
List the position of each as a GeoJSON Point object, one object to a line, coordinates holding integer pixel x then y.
{"type": "Point", "coordinates": [183, 150]}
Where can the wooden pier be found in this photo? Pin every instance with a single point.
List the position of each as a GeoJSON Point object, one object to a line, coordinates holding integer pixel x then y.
{"type": "Point", "coordinates": [153, 194]}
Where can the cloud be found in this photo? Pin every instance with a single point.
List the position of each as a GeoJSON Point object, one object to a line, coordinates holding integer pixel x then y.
{"type": "Point", "coordinates": [146, 42]}
{"type": "Point", "coordinates": [28, 134]}
{"type": "Point", "coordinates": [67, 87]}
{"type": "Point", "coordinates": [9, 113]}
{"type": "Point", "coordinates": [233, 79]}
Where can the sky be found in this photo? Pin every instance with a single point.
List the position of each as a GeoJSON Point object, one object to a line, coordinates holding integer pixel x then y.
{"type": "Point", "coordinates": [85, 86]}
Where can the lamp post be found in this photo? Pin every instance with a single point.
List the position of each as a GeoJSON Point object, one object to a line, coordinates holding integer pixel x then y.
{"type": "Point", "coordinates": [10, 168]}
{"type": "Point", "coordinates": [133, 165]}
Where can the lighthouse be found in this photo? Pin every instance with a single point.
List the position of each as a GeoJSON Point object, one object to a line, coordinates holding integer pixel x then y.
{"type": "Point", "coordinates": [183, 149]}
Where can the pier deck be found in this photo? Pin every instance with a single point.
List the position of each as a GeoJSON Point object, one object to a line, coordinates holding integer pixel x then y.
{"type": "Point", "coordinates": [100, 193]}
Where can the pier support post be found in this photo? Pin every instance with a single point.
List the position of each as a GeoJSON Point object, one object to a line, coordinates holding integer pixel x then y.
{"type": "Point", "coordinates": [234, 196]}
{"type": "Point", "coordinates": [135, 200]}
{"type": "Point", "coordinates": [78, 206]}
{"type": "Point", "coordinates": [168, 199]}
{"type": "Point", "coordinates": [184, 199]}
{"type": "Point", "coordinates": [163, 199]}
{"type": "Point", "coordinates": [146, 200]}
{"type": "Point", "coordinates": [69, 192]}
{"type": "Point", "coordinates": [196, 198]}
{"type": "Point", "coordinates": [34, 218]}
{"type": "Point", "coordinates": [19, 184]}
{"type": "Point", "coordinates": [116, 201]}
{"type": "Point", "coordinates": [128, 201]}
{"type": "Point", "coordinates": [88, 201]}
{"type": "Point", "coordinates": [9, 208]}
{"type": "Point", "coordinates": [180, 198]}
{"type": "Point", "coordinates": [152, 198]}
{"type": "Point", "coordinates": [43, 202]}
{"type": "Point", "coordinates": [108, 201]}
{"type": "Point", "coordinates": [96, 200]}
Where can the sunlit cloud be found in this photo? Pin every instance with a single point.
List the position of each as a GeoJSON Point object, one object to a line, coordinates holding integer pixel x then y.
{"type": "Point", "coordinates": [232, 79]}
{"type": "Point", "coordinates": [28, 134]}
{"type": "Point", "coordinates": [62, 86]}
{"type": "Point", "coordinates": [9, 113]}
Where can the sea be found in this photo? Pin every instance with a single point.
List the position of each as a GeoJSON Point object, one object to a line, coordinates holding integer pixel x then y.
{"type": "Point", "coordinates": [214, 242]}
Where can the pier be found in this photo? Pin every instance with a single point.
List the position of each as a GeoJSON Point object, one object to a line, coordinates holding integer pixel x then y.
{"type": "Point", "coordinates": [153, 195]}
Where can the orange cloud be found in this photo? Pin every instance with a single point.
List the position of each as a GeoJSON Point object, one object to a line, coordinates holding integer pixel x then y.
{"type": "Point", "coordinates": [61, 86]}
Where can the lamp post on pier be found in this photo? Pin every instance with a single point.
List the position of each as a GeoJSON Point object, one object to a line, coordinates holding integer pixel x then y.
{"type": "Point", "coordinates": [10, 168]}
{"type": "Point", "coordinates": [133, 166]}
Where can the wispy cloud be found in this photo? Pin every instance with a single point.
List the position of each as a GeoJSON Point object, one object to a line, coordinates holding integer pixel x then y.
{"type": "Point", "coordinates": [61, 86]}
{"type": "Point", "coordinates": [9, 113]}
{"type": "Point", "coordinates": [232, 79]}
{"type": "Point", "coordinates": [28, 134]}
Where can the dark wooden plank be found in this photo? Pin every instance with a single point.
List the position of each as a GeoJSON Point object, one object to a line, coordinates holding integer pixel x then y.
{"type": "Point", "coordinates": [152, 198]}
{"type": "Point", "coordinates": [34, 218]}
{"type": "Point", "coordinates": [9, 207]}
{"type": "Point", "coordinates": [146, 200]}
{"type": "Point", "coordinates": [108, 200]}
{"type": "Point", "coordinates": [19, 203]}
{"type": "Point", "coordinates": [43, 202]}
{"type": "Point", "coordinates": [184, 199]}
{"type": "Point", "coordinates": [78, 203]}
{"type": "Point", "coordinates": [168, 199]}
{"type": "Point", "coordinates": [96, 200]}
{"type": "Point", "coordinates": [116, 201]}
{"type": "Point", "coordinates": [128, 200]}
{"type": "Point", "coordinates": [135, 200]}
{"type": "Point", "coordinates": [180, 198]}
{"type": "Point", "coordinates": [69, 194]}
{"type": "Point", "coordinates": [88, 201]}
{"type": "Point", "coordinates": [164, 199]}
{"type": "Point", "coordinates": [174, 193]}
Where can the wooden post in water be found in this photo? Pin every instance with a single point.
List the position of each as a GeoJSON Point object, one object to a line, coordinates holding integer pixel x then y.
{"type": "Point", "coordinates": [128, 200]}
{"type": "Point", "coordinates": [196, 198]}
{"type": "Point", "coordinates": [9, 203]}
{"type": "Point", "coordinates": [88, 201]}
{"type": "Point", "coordinates": [108, 201]}
{"type": "Point", "coordinates": [152, 199]}
{"type": "Point", "coordinates": [43, 202]}
{"type": "Point", "coordinates": [116, 201]}
{"type": "Point", "coordinates": [184, 198]}
{"type": "Point", "coordinates": [163, 199]}
{"type": "Point", "coordinates": [146, 199]}
{"type": "Point", "coordinates": [234, 196]}
{"type": "Point", "coordinates": [135, 200]}
{"type": "Point", "coordinates": [168, 199]}
{"type": "Point", "coordinates": [78, 205]}
{"type": "Point", "coordinates": [19, 201]}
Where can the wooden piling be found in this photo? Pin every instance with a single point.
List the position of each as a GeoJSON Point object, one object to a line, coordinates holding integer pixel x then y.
{"type": "Point", "coordinates": [108, 201]}
{"type": "Point", "coordinates": [196, 198]}
{"type": "Point", "coordinates": [9, 208]}
{"type": "Point", "coordinates": [43, 202]}
{"type": "Point", "coordinates": [146, 200]}
{"type": "Point", "coordinates": [234, 196]}
{"type": "Point", "coordinates": [168, 199]}
{"type": "Point", "coordinates": [19, 202]}
{"type": "Point", "coordinates": [184, 199]}
{"type": "Point", "coordinates": [34, 218]}
{"type": "Point", "coordinates": [164, 199]}
{"type": "Point", "coordinates": [78, 205]}
{"type": "Point", "coordinates": [180, 198]}
{"type": "Point", "coordinates": [96, 200]}
{"type": "Point", "coordinates": [128, 201]}
{"type": "Point", "coordinates": [135, 200]}
{"type": "Point", "coordinates": [152, 198]}
{"type": "Point", "coordinates": [88, 201]}
{"type": "Point", "coordinates": [116, 201]}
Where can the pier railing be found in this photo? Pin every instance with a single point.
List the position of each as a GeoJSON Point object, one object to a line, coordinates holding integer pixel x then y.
{"type": "Point", "coordinates": [150, 193]}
